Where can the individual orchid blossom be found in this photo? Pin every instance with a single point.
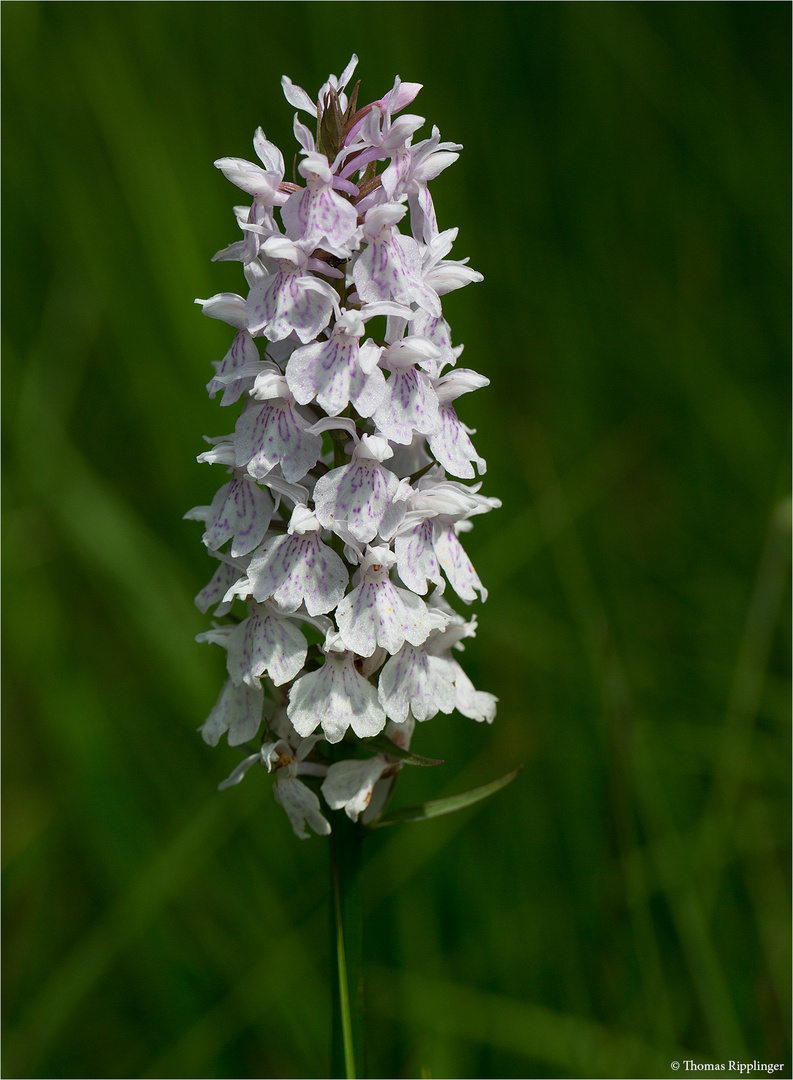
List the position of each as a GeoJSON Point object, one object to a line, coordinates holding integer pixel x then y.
{"type": "Point", "coordinates": [265, 643]}
{"type": "Point", "coordinates": [318, 216]}
{"type": "Point", "coordinates": [380, 136]}
{"type": "Point", "coordinates": [451, 444]}
{"type": "Point", "coordinates": [263, 183]}
{"type": "Point", "coordinates": [377, 612]}
{"type": "Point", "coordinates": [291, 300]}
{"type": "Point", "coordinates": [340, 370]}
{"type": "Point", "coordinates": [416, 682]}
{"type": "Point", "coordinates": [241, 510]}
{"type": "Point", "coordinates": [337, 696]}
{"type": "Point", "coordinates": [361, 497]}
{"type": "Point", "coordinates": [273, 433]}
{"type": "Point", "coordinates": [409, 405]}
{"type": "Point", "coordinates": [296, 569]}
{"type": "Point", "coordinates": [428, 540]}
{"type": "Point", "coordinates": [297, 96]}
{"type": "Point", "coordinates": [337, 526]}
{"type": "Point", "coordinates": [350, 784]}
{"type": "Point", "coordinates": [427, 160]}
{"type": "Point", "coordinates": [214, 592]}
{"type": "Point", "coordinates": [243, 353]}
{"type": "Point", "coordinates": [301, 804]}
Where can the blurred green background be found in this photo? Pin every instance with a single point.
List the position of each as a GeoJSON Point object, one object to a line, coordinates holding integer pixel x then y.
{"type": "Point", "coordinates": [624, 190]}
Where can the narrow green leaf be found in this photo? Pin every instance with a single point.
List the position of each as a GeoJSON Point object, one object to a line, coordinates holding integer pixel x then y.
{"type": "Point", "coordinates": [436, 807]}
{"type": "Point", "coordinates": [385, 746]}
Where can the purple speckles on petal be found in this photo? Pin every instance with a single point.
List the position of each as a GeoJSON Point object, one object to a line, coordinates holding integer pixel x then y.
{"type": "Point", "coordinates": [271, 434]}
{"type": "Point", "coordinates": [329, 371]}
{"type": "Point", "coordinates": [379, 613]}
{"type": "Point", "coordinates": [452, 447]}
{"type": "Point", "coordinates": [299, 569]}
{"type": "Point", "coordinates": [416, 560]}
{"type": "Point", "coordinates": [356, 496]}
{"type": "Point", "coordinates": [214, 591]}
{"type": "Point", "coordinates": [265, 643]}
{"type": "Point", "coordinates": [320, 217]}
{"type": "Point", "coordinates": [409, 405]}
{"type": "Point", "coordinates": [456, 564]}
{"type": "Point", "coordinates": [242, 510]}
{"type": "Point", "coordinates": [243, 351]}
{"type": "Point", "coordinates": [238, 711]}
{"type": "Point", "coordinates": [379, 273]}
{"type": "Point", "coordinates": [338, 697]}
{"type": "Point", "coordinates": [415, 681]}
{"type": "Point", "coordinates": [289, 301]}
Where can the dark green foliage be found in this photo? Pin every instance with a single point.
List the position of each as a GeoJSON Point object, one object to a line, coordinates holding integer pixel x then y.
{"type": "Point", "coordinates": [624, 190]}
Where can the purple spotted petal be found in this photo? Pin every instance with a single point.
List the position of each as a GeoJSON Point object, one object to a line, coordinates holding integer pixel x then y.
{"type": "Point", "coordinates": [397, 170]}
{"type": "Point", "coordinates": [416, 560]}
{"type": "Point", "coordinates": [417, 682]}
{"type": "Point", "coordinates": [287, 301]}
{"type": "Point", "coordinates": [329, 371]}
{"type": "Point", "coordinates": [241, 509]}
{"type": "Point", "coordinates": [243, 351]}
{"type": "Point", "coordinates": [271, 434]}
{"type": "Point", "coordinates": [294, 569]}
{"type": "Point", "coordinates": [437, 330]}
{"type": "Point", "coordinates": [338, 697]}
{"type": "Point", "coordinates": [320, 218]}
{"type": "Point", "coordinates": [452, 447]}
{"type": "Point", "coordinates": [389, 268]}
{"type": "Point", "coordinates": [357, 497]}
{"type": "Point", "coordinates": [456, 564]}
{"type": "Point", "coordinates": [265, 644]}
{"type": "Point", "coordinates": [213, 593]}
{"type": "Point", "coordinates": [238, 711]}
{"type": "Point", "coordinates": [409, 405]}
{"type": "Point", "coordinates": [423, 221]}
{"type": "Point", "coordinates": [378, 613]}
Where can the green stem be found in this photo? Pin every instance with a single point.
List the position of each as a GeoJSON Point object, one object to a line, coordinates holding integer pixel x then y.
{"type": "Point", "coordinates": [347, 1035]}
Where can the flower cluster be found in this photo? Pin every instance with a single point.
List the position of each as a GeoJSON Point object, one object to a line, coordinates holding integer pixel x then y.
{"type": "Point", "coordinates": [339, 525]}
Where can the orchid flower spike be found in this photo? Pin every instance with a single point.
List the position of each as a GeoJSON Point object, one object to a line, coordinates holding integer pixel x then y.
{"type": "Point", "coordinates": [336, 526]}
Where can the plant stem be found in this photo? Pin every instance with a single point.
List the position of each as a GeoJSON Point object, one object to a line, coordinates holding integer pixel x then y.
{"type": "Point", "coordinates": [346, 844]}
